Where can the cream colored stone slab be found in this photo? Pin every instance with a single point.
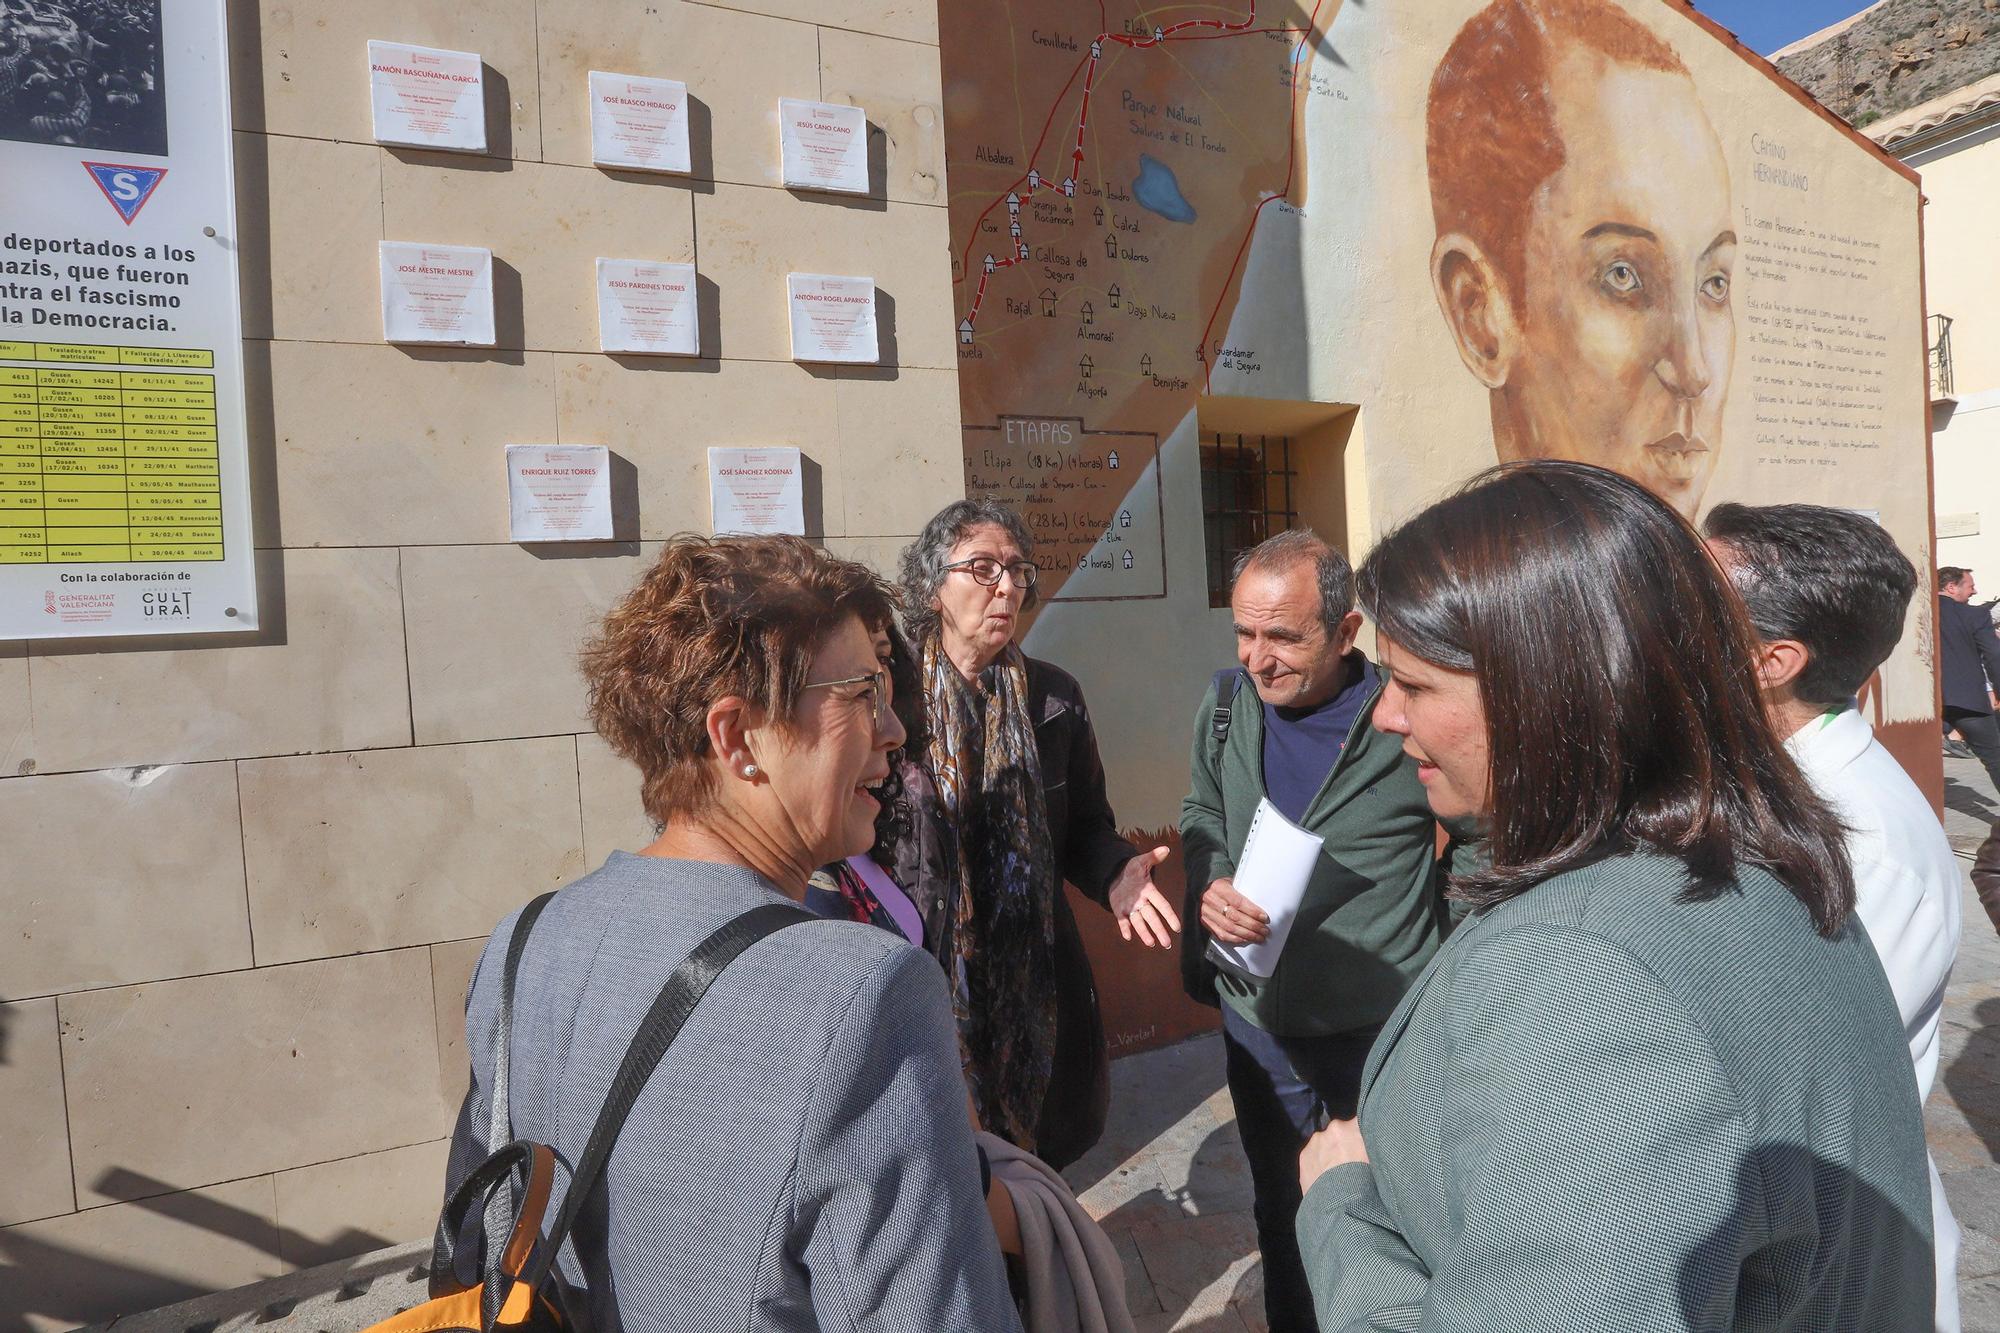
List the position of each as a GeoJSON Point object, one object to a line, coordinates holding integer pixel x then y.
{"type": "Point", "coordinates": [313, 61]}
{"type": "Point", "coordinates": [664, 421]}
{"type": "Point", "coordinates": [912, 20]}
{"type": "Point", "coordinates": [736, 66]}
{"type": "Point", "coordinates": [383, 849]}
{"type": "Point", "coordinates": [310, 217]}
{"type": "Point", "coordinates": [614, 820]}
{"type": "Point", "coordinates": [121, 876]}
{"type": "Point", "coordinates": [337, 1210]}
{"type": "Point", "coordinates": [452, 966]}
{"type": "Point", "coordinates": [325, 673]}
{"type": "Point", "coordinates": [32, 1122]}
{"type": "Point", "coordinates": [880, 554]}
{"type": "Point", "coordinates": [896, 454]}
{"type": "Point", "coordinates": [381, 472]}
{"type": "Point", "coordinates": [262, 1070]}
{"type": "Point", "coordinates": [547, 225]}
{"type": "Point", "coordinates": [899, 85]}
{"type": "Point", "coordinates": [17, 732]}
{"type": "Point", "coordinates": [751, 238]}
{"type": "Point", "coordinates": [102, 1263]}
{"type": "Point", "coordinates": [494, 635]}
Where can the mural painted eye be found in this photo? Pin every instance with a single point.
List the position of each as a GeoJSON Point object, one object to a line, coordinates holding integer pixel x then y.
{"type": "Point", "coordinates": [1716, 288]}
{"type": "Point", "coordinates": [1622, 278]}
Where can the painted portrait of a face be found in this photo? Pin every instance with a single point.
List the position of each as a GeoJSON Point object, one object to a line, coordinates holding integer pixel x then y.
{"type": "Point", "coordinates": [1585, 248]}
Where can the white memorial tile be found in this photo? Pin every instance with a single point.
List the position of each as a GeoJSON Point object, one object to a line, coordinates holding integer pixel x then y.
{"type": "Point", "coordinates": [647, 308]}
{"type": "Point", "coordinates": [824, 146]}
{"type": "Point", "coordinates": [756, 490]}
{"type": "Point", "coordinates": [427, 98]}
{"type": "Point", "coordinates": [638, 124]}
{"type": "Point", "coordinates": [437, 294]}
{"type": "Point", "coordinates": [558, 492]}
{"type": "Point", "coordinates": [833, 318]}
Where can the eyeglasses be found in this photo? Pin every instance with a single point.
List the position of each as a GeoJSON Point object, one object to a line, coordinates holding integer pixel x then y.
{"type": "Point", "coordinates": [878, 702]}
{"type": "Point", "coordinates": [986, 571]}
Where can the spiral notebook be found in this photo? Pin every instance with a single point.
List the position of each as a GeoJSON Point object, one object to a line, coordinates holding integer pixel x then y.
{"type": "Point", "coordinates": [1276, 865]}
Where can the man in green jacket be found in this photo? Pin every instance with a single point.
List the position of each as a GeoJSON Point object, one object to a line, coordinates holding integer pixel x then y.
{"type": "Point", "coordinates": [1372, 914]}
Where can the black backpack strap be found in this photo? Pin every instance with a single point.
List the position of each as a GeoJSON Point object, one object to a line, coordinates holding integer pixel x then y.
{"type": "Point", "coordinates": [500, 1123]}
{"type": "Point", "coordinates": [1226, 683]}
{"type": "Point", "coordinates": [677, 999]}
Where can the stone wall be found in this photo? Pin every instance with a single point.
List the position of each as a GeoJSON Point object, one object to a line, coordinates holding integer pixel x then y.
{"type": "Point", "coordinates": [246, 880]}
{"type": "Point", "coordinates": [1896, 55]}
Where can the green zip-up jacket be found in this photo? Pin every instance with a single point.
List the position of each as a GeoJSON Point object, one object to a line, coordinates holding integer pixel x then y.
{"type": "Point", "coordinates": [1373, 912]}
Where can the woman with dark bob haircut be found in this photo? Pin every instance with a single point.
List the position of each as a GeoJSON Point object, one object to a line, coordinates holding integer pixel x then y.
{"type": "Point", "coordinates": [1656, 1080]}
{"type": "Point", "coordinates": [802, 1157]}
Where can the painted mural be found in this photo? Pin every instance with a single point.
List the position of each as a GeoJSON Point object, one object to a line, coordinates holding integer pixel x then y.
{"type": "Point", "coordinates": [1587, 229]}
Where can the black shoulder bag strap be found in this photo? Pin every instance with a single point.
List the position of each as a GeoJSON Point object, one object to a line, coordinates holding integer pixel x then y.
{"type": "Point", "coordinates": [1226, 683]}
{"type": "Point", "coordinates": [677, 999]}
{"type": "Point", "coordinates": [500, 1123]}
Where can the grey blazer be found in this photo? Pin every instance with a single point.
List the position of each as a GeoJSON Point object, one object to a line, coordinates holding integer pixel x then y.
{"type": "Point", "coordinates": [802, 1159]}
{"type": "Point", "coordinates": [1607, 1108]}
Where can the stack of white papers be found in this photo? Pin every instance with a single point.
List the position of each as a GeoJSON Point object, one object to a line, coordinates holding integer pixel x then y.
{"type": "Point", "coordinates": [1277, 863]}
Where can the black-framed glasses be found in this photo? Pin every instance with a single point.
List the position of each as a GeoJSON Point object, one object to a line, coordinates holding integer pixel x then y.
{"type": "Point", "coordinates": [878, 703]}
{"type": "Point", "coordinates": [986, 571]}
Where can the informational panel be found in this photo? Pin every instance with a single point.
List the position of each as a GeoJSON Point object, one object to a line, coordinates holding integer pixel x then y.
{"type": "Point", "coordinates": [124, 499]}
{"type": "Point", "coordinates": [833, 318]}
{"type": "Point", "coordinates": [638, 124]}
{"type": "Point", "coordinates": [756, 490]}
{"type": "Point", "coordinates": [437, 294]}
{"type": "Point", "coordinates": [1090, 499]}
{"type": "Point", "coordinates": [558, 493]}
{"type": "Point", "coordinates": [648, 308]}
{"type": "Point", "coordinates": [824, 146]}
{"type": "Point", "coordinates": [427, 98]}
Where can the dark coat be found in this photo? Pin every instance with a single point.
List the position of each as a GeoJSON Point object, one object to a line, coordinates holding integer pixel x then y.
{"type": "Point", "coordinates": [1968, 655]}
{"type": "Point", "coordinates": [1089, 854]}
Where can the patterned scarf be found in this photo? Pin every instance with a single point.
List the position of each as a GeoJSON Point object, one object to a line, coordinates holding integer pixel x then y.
{"type": "Point", "coordinates": [987, 775]}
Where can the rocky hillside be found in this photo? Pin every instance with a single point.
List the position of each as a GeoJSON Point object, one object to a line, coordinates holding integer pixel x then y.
{"type": "Point", "coordinates": [1900, 54]}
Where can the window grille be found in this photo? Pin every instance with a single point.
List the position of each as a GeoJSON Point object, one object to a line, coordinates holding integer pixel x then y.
{"type": "Point", "coordinates": [1940, 349]}
{"type": "Point", "coordinates": [1246, 496]}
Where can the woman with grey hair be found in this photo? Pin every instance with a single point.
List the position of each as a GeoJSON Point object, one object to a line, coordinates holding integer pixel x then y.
{"type": "Point", "coordinates": [1003, 795]}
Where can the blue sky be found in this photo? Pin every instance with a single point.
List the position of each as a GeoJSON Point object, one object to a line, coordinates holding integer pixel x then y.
{"type": "Point", "coordinates": [1766, 25]}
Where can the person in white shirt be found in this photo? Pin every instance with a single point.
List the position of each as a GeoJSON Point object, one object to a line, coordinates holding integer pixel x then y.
{"type": "Point", "coordinates": [1827, 591]}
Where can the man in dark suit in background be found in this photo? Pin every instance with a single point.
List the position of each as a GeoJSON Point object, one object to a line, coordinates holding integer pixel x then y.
{"type": "Point", "coordinates": [1969, 665]}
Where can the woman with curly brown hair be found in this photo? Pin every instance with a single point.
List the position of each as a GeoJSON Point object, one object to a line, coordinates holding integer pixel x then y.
{"type": "Point", "coordinates": [801, 1158]}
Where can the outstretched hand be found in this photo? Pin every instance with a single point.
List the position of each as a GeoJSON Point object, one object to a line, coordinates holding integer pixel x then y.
{"type": "Point", "coordinates": [1140, 906]}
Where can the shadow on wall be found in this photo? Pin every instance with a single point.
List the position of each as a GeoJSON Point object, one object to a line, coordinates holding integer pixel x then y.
{"type": "Point", "coordinates": [47, 1281]}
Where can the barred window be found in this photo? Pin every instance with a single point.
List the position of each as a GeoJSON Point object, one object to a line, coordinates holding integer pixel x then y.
{"type": "Point", "coordinates": [1246, 496]}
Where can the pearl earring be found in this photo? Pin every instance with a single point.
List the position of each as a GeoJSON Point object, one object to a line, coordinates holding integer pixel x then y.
{"type": "Point", "coordinates": [749, 770]}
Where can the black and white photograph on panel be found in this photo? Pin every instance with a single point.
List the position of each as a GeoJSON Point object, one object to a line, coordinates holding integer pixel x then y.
{"type": "Point", "coordinates": [83, 74]}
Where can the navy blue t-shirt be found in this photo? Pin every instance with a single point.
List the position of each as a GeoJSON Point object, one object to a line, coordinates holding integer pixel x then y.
{"type": "Point", "coordinates": [1301, 745]}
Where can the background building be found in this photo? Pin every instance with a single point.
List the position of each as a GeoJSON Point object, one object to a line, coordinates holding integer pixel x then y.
{"type": "Point", "coordinates": [248, 876]}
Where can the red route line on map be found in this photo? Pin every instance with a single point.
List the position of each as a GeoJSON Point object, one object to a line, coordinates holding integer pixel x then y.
{"type": "Point", "coordinates": [1239, 28]}
{"type": "Point", "coordinates": [1291, 162]}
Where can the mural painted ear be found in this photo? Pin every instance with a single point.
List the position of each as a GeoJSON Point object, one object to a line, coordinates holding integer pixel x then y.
{"type": "Point", "coordinates": [1473, 297]}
